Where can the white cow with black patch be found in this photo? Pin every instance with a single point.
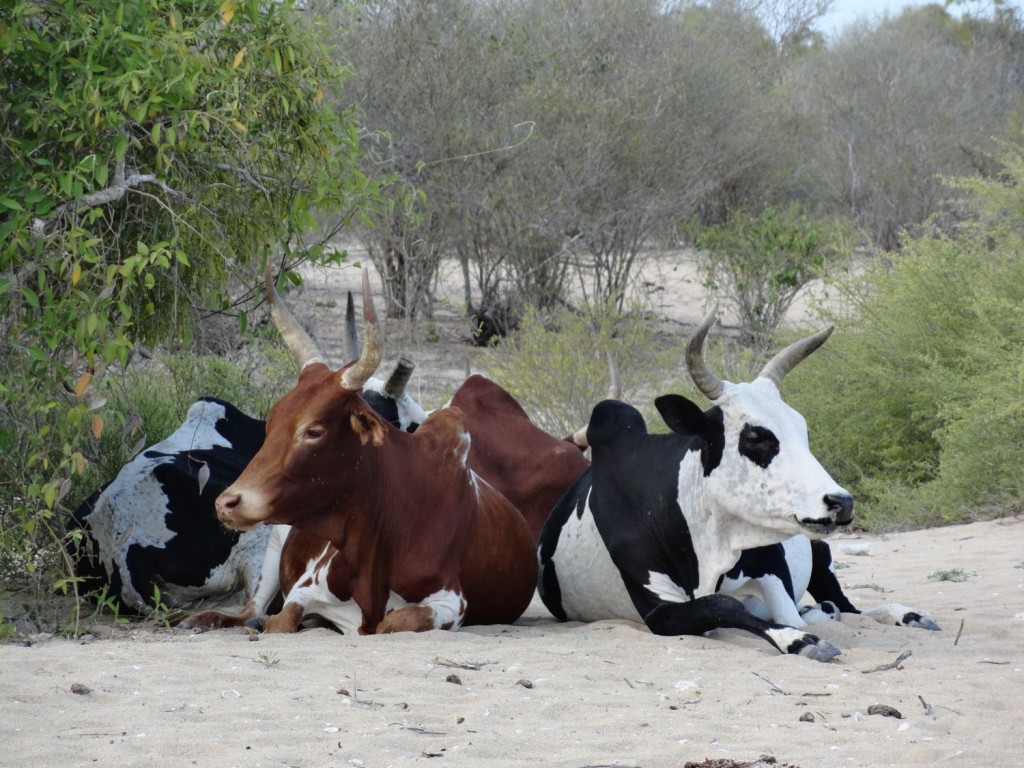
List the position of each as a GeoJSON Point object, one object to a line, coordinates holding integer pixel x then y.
{"type": "Point", "coordinates": [152, 532]}
{"type": "Point", "coordinates": [648, 532]}
{"type": "Point", "coordinates": [772, 580]}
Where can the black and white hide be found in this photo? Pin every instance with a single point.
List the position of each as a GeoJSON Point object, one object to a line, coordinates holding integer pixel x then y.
{"type": "Point", "coordinates": [648, 532]}
{"type": "Point", "coordinates": [772, 580]}
{"type": "Point", "coordinates": [152, 532]}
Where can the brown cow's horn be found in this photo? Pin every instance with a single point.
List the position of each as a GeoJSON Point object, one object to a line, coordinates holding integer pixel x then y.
{"type": "Point", "coordinates": [295, 337]}
{"type": "Point", "coordinates": [362, 369]}
{"type": "Point", "coordinates": [351, 334]}
{"type": "Point", "coordinates": [786, 360]}
{"type": "Point", "coordinates": [706, 381]}
{"type": "Point", "coordinates": [395, 385]}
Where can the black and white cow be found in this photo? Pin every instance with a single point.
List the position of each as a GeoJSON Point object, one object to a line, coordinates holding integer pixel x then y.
{"type": "Point", "coordinates": [154, 530]}
{"type": "Point", "coordinates": [772, 580]}
{"type": "Point", "coordinates": [648, 532]}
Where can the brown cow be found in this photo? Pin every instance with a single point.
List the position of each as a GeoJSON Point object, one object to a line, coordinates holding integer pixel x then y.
{"type": "Point", "coordinates": [526, 464]}
{"type": "Point", "coordinates": [417, 540]}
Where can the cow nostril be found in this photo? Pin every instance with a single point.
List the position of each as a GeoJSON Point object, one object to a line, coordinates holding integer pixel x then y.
{"type": "Point", "coordinates": [840, 505]}
{"type": "Point", "coordinates": [228, 500]}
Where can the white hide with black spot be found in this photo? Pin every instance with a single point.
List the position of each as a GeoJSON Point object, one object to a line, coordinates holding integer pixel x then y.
{"type": "Point", "coordinates": [764, 505]}
{"type": "Point", "coordinates": [771, 582]}
{"type": "Point", "coordinates": [152, 528]}
{"type": "Point", "coordinates": [582, 551]}
{"type": "Point", "coordinates": [674, 512]}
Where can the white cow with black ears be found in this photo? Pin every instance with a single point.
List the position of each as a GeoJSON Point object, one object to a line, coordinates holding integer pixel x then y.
{"type": "Point", "coordinates": [651, 528]}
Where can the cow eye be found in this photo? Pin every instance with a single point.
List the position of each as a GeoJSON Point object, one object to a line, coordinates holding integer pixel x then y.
{"type": "Point", "coordinates": [758, 444]}
{"type": "Point", "coordinates": [313, 432]}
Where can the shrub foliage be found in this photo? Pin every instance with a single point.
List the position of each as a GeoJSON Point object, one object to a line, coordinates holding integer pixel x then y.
{"type": "Point", "coordinates": [150, 152]}
{"type": "Point", "coordinates": [921, 413]}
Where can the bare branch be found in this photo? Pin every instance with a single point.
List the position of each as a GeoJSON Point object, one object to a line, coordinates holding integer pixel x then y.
{"type": "Point", "coordinates": [122, 184]}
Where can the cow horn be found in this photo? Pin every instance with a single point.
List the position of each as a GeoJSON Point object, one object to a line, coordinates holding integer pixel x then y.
{"type": "Point", "coordinates": [351, 334]}
{"type": "Point", "coordinates": [706, 381]}
{"type": "Point", "coordinates": [395, 385]}
{"type": "Point", "coordinates": [362, 369]}
{"type": "Point", "coordinates": [786, 360]}
{"type": "Point", "coordinates": [614, 384]}
{"type": "Point", "coordinates": [295, 337]}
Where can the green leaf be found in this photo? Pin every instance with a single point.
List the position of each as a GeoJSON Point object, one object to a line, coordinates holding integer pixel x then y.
{"type": "Point", "coordinates": [30, 296]}
{"type": "Point", "coordinates": [14, 205]}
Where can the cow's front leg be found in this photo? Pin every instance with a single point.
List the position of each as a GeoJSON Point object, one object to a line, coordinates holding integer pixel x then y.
{"type": "Point", "coordinates": [695, 617]}
{"type": "Point", "coordinates": [443, 609]}
{"type": "Point", "coordinates": [901, 616]}
{"type": "Point", "coordinates": [220, 619]}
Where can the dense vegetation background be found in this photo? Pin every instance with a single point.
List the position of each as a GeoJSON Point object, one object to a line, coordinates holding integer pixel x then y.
{"type": "Point", "coordinates": [154, 155]}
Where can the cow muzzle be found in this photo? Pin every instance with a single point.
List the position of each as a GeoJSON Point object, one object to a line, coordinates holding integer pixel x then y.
{"type": "Point", "coordinates": [839, 507]}
{"type": "Point", "coordinates": [229, 511]}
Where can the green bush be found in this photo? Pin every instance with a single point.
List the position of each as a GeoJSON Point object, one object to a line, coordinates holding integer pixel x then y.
{"type": "Point", "coordinates": [156, 396]}
{"type": "Point", "coordinates": [920, 411]}
{"type": "Point", "coordinates": [153, 155]}
{"type": "Point", "coordinates": [556, 364]}
{"type": "Point", "coordinates": [759, 263]}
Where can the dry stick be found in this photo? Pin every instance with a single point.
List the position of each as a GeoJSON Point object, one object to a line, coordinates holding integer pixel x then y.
{"type": "Point", "coordinates": [959, 632]}
{"type": "Point", "coordinates": [927, 707]}
{"type": "Point", "coordinates": [891, 665]}
{"type": "Point", "coordinates": [773, 685]}
{"type": "Point", "coordinates": [472, 665]}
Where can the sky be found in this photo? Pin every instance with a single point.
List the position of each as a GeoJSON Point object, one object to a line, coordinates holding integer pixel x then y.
{"type": "Point", "coordinates": [846, 11]}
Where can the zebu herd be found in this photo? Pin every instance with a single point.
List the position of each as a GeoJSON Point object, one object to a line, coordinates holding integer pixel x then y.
{"type": "Point", "coordinates": [353, 505]}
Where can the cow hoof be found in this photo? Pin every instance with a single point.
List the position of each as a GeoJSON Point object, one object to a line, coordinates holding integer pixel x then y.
{"type": "Point", "coordinates": [259, 623]}
{"type": "Point", "coordinates": [920, 621]}
{"type": "Point", "coordinates": [800, 643]}
{"type": "Point", "coordinates": [813, 647]}
{"type": "Point", "coordinates": [201, 621]}
{"type": "Point", "coordinates": [825, 611]}
{"type": "Point", "coordinates": [901, 616]}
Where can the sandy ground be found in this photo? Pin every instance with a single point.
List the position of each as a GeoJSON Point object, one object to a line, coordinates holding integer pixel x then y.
{"type": "Point", "coordinates": [540, 692]}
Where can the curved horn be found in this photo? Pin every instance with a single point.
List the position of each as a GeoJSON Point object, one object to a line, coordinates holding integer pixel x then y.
{"type": "Point", "coordinates": [614, 384]}
{"type": "Point", "coordinates": [356, 375]}
{"type": "Point", "coordinates": [706, 381]}
{"type": "Point", "coordinates": [395, 385]}
{"type": "Point", "coordinates": [786, 360]}
{"type": "Point", "coordinates": [295, 337]}
{"type": "Point", "coordinates": [351, 334]}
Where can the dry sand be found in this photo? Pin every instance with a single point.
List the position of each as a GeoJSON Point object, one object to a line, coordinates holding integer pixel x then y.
{"type": "Point", "coordinates": [540, 692]}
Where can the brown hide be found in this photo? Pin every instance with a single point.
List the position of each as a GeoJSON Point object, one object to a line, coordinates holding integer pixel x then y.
{"type": "Point", "coordinates": [403, 511]}
{"type": "Point", "coordinates": [526, 464]}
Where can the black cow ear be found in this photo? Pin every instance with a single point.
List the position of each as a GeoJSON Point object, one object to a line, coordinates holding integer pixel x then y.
{"type": "Point", "coordinates": [681, 415]}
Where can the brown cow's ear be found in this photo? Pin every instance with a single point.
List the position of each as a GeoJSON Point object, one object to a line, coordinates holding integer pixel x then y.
{"type": "Point", "coordinates": [369, 427]}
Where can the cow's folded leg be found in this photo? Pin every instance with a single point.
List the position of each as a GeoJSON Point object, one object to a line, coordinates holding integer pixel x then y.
{"type": "Point", "coordinates": [901, 616]}
{"type": "Point", "coordinates": [823, 611]}
{"type": "Point", "coordinates": [219, 619]}
{"type": "Point", "coordinates": [710, 612]}
{"type": "Point", "coordinates": [287, 620]}
{"type": "Point", "coordinates": [442, 610]}
{"type": "Point", "coordinates": [408, 618]}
